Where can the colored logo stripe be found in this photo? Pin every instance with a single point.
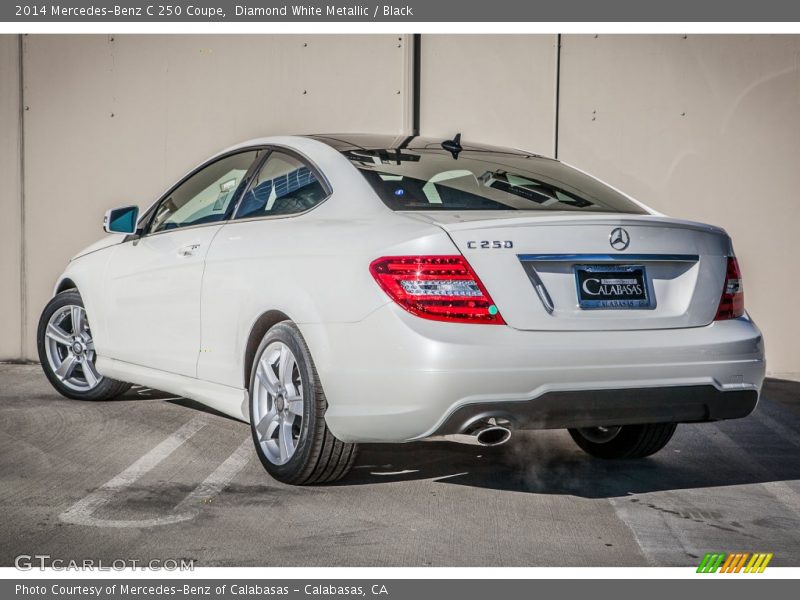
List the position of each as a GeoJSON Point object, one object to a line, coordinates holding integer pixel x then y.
{"type": "Point", "coordinates": [734, 562]}
{"type": "Point", "coordinates": [711, 562]}
{"type": "Point", "coordinates": [758, 563]}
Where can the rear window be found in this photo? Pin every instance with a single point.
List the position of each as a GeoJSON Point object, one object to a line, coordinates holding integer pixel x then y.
{"type": "Point", "coordinates": [423, 180]}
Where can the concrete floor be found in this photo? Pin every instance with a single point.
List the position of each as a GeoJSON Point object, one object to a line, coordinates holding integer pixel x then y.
{"type": "Point", "coordinates": [122, 479]}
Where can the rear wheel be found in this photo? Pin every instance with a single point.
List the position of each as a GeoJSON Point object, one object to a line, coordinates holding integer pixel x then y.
{"type": "Point", "coordinates": [625, 441]}
{"type": "Point", "coordinates": [287, 413]}
{"type": "Point", "coordinates": [67, 354]}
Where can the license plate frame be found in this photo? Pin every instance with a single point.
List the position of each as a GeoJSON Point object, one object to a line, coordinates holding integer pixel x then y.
{"type": "Point", "coordinates": [613, 298]}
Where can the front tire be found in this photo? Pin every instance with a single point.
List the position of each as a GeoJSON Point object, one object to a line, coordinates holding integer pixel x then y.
{"type": "Point", "coordinates": [287, 413]}
{"type": "Point", "coordinates": [623, 442]}
{"type": "Point", "coordinates": [66, 351]}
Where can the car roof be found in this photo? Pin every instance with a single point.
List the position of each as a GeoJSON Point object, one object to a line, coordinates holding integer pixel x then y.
{"type": "Point", "coordinates": [371, 141]}
{"type": "Point", "coordinates": [343, 142]}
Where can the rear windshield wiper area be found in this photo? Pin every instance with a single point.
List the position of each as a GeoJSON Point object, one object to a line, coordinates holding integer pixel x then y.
{"type": "Point", "coordinates": [533, 190]}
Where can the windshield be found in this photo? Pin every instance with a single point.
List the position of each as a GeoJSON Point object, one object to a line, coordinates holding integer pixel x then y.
{"type": "Point", "coordinates": [423, 180]}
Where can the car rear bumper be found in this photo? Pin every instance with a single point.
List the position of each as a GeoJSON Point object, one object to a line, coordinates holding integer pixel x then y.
{"type": "Point", "coordinates": [396, 377]}
{"type": "Point", "coordinates": [623, 406]}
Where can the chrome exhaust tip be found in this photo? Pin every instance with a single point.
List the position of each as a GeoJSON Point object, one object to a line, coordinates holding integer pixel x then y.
{"type": "Point", "coordinates": [487, 432]}
{"type": "Point", "coordinates": [493, 435]}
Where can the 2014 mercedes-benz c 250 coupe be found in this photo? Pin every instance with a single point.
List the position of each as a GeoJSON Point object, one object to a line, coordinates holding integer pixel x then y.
{"type": "Point", "coordinates": [337, 289]}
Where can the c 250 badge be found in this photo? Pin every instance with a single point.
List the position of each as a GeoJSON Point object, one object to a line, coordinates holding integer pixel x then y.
{"type": "Point", "coordinates": [490, 244]}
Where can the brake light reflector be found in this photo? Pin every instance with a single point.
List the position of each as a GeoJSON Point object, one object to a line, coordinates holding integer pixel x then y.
{"type": "Point", "coordinates": [731, 304]}
{"type": "Point", "coordinates": [441, 288]}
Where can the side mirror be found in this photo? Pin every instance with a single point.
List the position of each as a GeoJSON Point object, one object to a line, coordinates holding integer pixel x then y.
{"type": "Point", "coordinates": [121, 220]}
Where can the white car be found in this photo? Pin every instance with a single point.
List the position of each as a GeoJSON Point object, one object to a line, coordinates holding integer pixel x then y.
{"type": "Point", "coordinates": [336, 289]}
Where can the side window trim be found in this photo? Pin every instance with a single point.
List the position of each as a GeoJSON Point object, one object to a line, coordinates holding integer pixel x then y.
{"type": "Point", "coordinates": [247, 181]}
{"type": "Point", "coordinates": [307, 162]}
{"type": "Point", "coordinates": [147, 221]}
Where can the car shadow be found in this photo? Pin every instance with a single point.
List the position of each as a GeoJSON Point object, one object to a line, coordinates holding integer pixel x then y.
{"type": "Point", "coordinates": [550, 463]}
{"type": "Point", "coordinates": [138, 392]}
{"type": "Point", "coordinates": [527, 466]}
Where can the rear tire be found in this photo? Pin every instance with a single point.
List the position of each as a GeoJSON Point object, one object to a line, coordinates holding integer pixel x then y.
{"type": "Point", "coordinates": [624, 442]}
{"type": "Point", "coordinates": [66, 351]}
{"type": "Point", "coordinates": [287, 413]}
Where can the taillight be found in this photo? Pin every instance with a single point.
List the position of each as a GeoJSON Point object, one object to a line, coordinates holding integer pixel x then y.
{"type": "Point", "coordinates": [442, 288]}
{"type": "Point", "coordinates": [731, 304]}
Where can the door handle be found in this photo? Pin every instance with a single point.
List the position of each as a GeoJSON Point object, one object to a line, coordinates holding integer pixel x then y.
{"type": "Point", "coordinates": [188, 250]}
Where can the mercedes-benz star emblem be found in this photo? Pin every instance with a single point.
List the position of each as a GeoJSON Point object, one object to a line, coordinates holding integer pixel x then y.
{"type": "Point", "coordinates": [619, 239]}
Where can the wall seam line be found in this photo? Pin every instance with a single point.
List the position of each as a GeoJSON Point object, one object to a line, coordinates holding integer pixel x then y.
{"type": "Point", "coordinates": [558, 95]}
{"type": "Point", "coordinates": [23, 276]}
{"type": "Point", "coordinates": [416, 78]}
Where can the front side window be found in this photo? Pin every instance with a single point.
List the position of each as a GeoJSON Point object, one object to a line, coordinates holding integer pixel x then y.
{"type": "Point", "coordinates": [283, 186]}
{"type": "Point", "coordinates": [424, 180]}
{"type": "Point", "coordinates": [205, 196]}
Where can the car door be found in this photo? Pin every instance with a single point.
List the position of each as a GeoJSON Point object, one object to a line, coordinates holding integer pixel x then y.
{"type": "Point", "coordinates": [153, 281]}
{"type": "Point", "coordinates": [250, 267]}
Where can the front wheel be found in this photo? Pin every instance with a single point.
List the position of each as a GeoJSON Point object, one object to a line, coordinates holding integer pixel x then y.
{"type": "Point", "coordinates": [66, 351]}
{"type": "Point", "coordinates": [287, 413]}
{"type": "Point", "coordinates": [624, 441]}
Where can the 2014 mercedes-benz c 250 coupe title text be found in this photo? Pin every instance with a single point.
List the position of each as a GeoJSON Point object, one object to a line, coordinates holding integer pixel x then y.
{"type": "Point", "coordinates": [337, 289]}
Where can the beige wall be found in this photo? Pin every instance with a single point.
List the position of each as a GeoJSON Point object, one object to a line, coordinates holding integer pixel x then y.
{"type": "Point", "coordinates": [706, 128]}
{"type": "Point", "coordinates": [702, 127]}
{"type": "Point", "coordinates": [115, 119]}
{"type": "Point", "coordinates": [500, 89]}
{"type": "Point", "coordinates": [10, 198]}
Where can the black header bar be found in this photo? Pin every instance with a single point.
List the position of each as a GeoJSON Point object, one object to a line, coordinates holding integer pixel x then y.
{"type": "Point", "coordinates": [464, 11]}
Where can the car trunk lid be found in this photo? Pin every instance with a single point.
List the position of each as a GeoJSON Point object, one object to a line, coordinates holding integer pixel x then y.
{"type": "Point", "coordinates": [534, 264]}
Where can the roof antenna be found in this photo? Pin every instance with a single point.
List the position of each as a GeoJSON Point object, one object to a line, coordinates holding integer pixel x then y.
{"type": "Point", "coordinates": [453, 146]}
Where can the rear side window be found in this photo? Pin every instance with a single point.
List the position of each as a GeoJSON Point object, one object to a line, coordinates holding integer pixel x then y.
{"type": "Point", "coordinates": [423, 180]}
{"type": "Point", "coordinates": [283, 186]}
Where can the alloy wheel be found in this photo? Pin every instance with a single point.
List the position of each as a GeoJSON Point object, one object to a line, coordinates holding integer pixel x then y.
{"type": "Point", "coordinates": [70, 349]}
{"type": "Point", "coordinates": [278, 403]}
